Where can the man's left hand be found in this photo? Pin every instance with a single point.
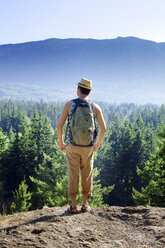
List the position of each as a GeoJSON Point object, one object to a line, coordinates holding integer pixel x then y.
{"type": "Point", "coordinates": [95, 147]}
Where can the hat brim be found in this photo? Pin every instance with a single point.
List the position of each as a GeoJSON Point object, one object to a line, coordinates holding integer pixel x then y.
{"type": "Point", "coordinates": [84, 86]}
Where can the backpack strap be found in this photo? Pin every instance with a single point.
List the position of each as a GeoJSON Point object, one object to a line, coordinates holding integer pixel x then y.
{"type": "Point", "coordinates": [79, 103]}
{"type": "Point", "coordinates": [66, 130]}
{"type": "Point", "coordinates": [91, 103]}
{"type": "Point", "coordinates": [73, 110]}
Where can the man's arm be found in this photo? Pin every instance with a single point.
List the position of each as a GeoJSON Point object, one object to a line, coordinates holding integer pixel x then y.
{"type": "Point", "coordinates": [101, 122]}
{"type": "Point", "coordinates": [61, 123]}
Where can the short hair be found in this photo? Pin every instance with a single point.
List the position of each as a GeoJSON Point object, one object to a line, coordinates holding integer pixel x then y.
{"type": "Point", "coordinates": [84, 91]}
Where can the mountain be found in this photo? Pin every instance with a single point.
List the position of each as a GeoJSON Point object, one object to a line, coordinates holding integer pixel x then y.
{"type": "Point", "coordinates": [122, 69]}
{"type": "Point", "coordinates": [125, 227]}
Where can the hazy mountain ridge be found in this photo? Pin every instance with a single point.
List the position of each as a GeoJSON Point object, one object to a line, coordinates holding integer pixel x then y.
{"type": "Point", "coordinates": [20, 91]}
{"type": "Point", "coordinates": [122, 69]}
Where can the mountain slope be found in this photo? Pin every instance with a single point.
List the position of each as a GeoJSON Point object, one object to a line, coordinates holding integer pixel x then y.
{"type": "Point", "coordinates": [122, 69]}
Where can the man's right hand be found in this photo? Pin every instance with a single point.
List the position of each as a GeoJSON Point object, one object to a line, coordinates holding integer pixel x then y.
{"type": "Point", "coordinates": [62, 147]}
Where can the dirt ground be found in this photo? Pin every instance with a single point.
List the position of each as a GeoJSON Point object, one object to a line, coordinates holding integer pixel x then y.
{"type": "Point", "coordinates": [123, 227]}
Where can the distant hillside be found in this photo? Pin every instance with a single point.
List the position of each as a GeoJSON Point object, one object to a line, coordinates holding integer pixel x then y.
{"type": "Point", "coordinates": [122, 69]}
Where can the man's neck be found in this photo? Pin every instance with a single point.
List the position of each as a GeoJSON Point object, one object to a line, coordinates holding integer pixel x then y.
{"type": "Point", "coordinates": [83, 98]}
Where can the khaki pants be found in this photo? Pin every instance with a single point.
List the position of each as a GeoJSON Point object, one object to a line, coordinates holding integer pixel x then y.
{"type": "Point", "coordinates": [79, 158]}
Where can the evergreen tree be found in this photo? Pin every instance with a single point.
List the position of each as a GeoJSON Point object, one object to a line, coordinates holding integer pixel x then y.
{"type": "Point", "coordinates": [21, 198]}
{"type": "Point", "coordinates": [42, 134]}
{"type": "Point", "coordinates": [154, 175]}
{"type": "Point", "coordinates": [108, 159]}
{"type": "Point", "coordinates": [20, 160]}
{"type": "Point", "coordinates": [125, 168]}
{"type": "Point", "coordinates": [50, 183]}
{"type": "Point", "coordinates": [4, 143]}
{"type": "Point", "coordinates": [123, 149]}
{"type": "Point", "coordinates": [11, 135]}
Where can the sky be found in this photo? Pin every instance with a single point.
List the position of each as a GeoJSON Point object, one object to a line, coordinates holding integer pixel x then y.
{"type": "Point", "coordinates": [32, 20]}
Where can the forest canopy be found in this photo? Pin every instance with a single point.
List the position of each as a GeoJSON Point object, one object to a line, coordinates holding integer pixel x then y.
{"type": "Point", "coordinates": [129, 166]}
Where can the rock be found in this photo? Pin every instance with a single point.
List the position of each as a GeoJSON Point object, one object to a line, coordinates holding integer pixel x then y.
{"type": "Point", "coordinates": [37, 231]}
{"type": "Point", "coordinates": [110, 227]}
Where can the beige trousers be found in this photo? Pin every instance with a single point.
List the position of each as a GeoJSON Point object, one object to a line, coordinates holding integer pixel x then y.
{"type": "Point", "coordinates": [79, 158]}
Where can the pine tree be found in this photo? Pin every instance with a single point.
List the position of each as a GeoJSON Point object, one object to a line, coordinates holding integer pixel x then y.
{"type": "Point", "coordinates": [42, 134]}
{"type": "Point", "coordinates": [123, 149]}
{"type": "Point", "coordinates": [125, 168]}
{"type": "Point", "coordinates": [20, 160]}
{"type": "Point", "coordinates": [50, 183]}
{"type": "Point", "coordinates": [108, 159]}
{"type": "Point", "coordinates": [4, 143]}
{"type": "Point", "coordinates": [21, 198]}
{"type": "Point", "coordinates": [154, 175]}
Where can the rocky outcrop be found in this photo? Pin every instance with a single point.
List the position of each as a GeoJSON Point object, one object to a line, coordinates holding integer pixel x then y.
{"type": "Point", "coordinates": [123, 227]}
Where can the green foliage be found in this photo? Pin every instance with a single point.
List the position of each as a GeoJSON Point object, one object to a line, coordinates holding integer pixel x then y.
{"type": "Point", "coordinates": [154, 175]}
{"type": "Point", "coordinates": [28, 147]}
{"type": "Point", "coordinates": [21, 198]}
{"type": "Point", "coordinates": [20, 160]}
{"type": "Point", "coordinates": [4, 143]}
{"type": "Point", "coordinates": [97, 199]}
{"type": "Point", "coordinates": [124, 148]}
{"type": "Point", "coordinates": [50, 183]}
{"type": "Point", "coordinates": [51, 186]}
{"type": "Point", "coordinates": [33, 138]}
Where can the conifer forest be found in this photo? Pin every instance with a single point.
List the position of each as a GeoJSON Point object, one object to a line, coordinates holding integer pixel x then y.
{"type": "Point", "coordinates": [129, 166]}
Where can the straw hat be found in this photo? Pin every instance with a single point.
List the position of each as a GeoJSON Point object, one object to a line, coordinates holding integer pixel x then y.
{"type": "Point", "coordinates": [85, 83]}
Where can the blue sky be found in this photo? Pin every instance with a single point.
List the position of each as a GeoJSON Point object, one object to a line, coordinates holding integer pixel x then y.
{"type": "Point", "coordinates": [28, 20]}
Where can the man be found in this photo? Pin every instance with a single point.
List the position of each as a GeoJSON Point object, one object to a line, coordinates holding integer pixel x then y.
{"type": "Point", "coordinates": [80, 157]}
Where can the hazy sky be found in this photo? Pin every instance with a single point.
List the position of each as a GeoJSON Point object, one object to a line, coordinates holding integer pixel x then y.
{"type": "Point", "coordinates": [27, 20]}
